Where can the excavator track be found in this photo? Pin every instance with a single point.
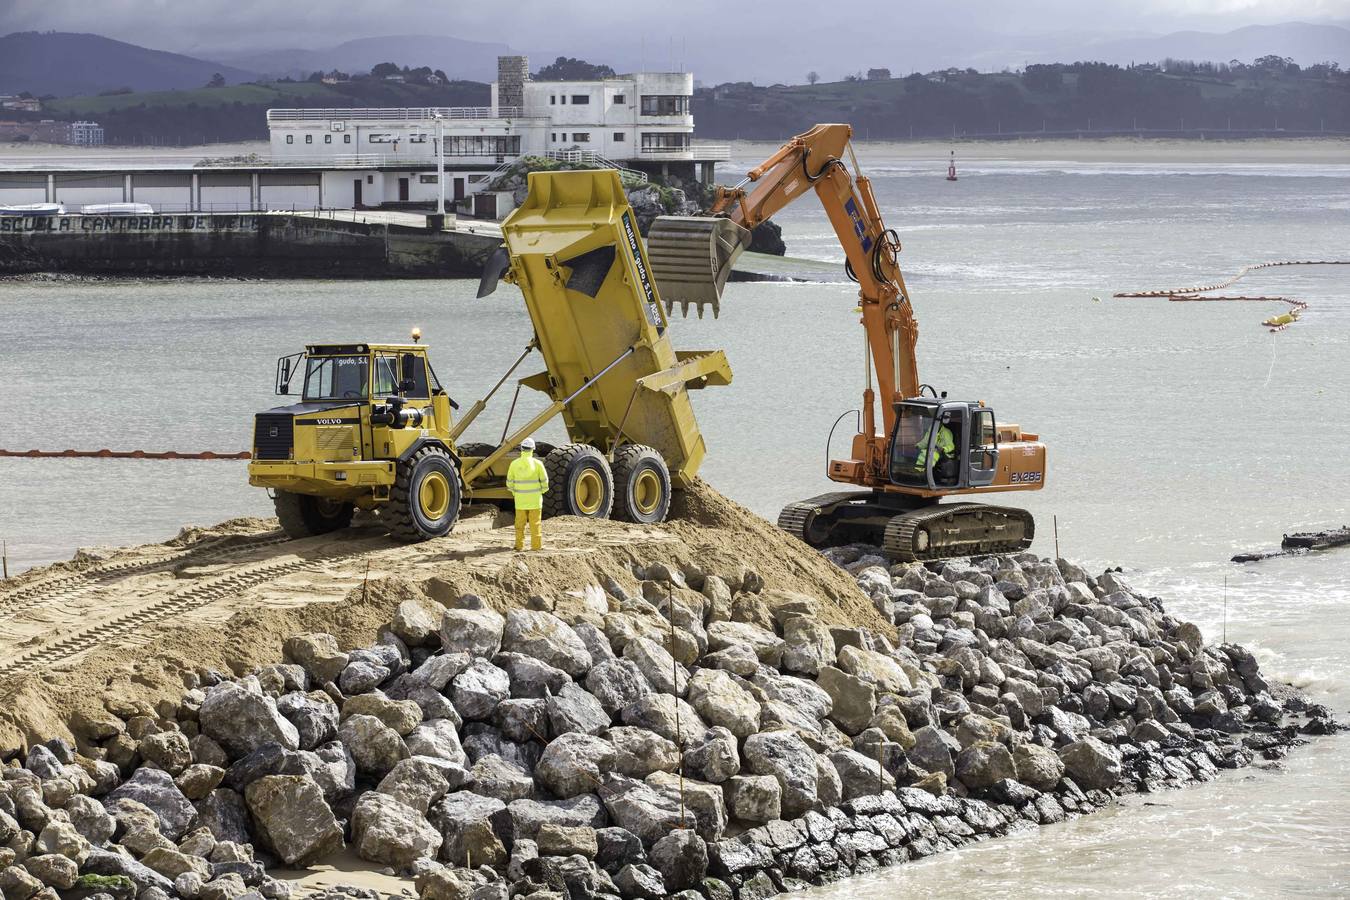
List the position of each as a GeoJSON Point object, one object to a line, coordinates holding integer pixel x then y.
{"type": "Point", "coordinates": [799, 519]}
{"type": "Point", "coordinates": [957, 529]}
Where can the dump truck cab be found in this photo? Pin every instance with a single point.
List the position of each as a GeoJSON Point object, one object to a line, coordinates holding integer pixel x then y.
{"type": "Point", "coordinates": [366, 413]}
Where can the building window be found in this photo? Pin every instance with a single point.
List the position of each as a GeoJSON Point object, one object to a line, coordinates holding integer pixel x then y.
{"type": "Point", "coordinates": [553, 137]}
{"type": "Point", "coordinates": [552, 99]}
{"type": "Point", "coordinates": [380, 138]}
{"type": "Point", "coordinates": [618, 137]}
{"type": "Point", "coordinates": [417, 138]}
{"type": "Point", "coordinates": [328, 139]}
{"type": "Point", "coordinates": [482, 145]}
{"type": "Point", "coordinates": [581, 137]}
{"type": "Point", "coordinates": [564, 99]}
{"type": "Point", "coordinates": [290, 139]}
{"type": "Point", "coordinates": [664, 142]}
{"type": "Point", "coordinates": [581, 99]}
{"type": "Point", "coordinates": [370, 179]}
{"type": "Point", "coordinates": [346, 139]}
{"type": "Point", "coordinates": [620, 99]}
{"type": "Point", "coordinates": [309, 139]}
{"type": "Point", "coordinates": [665, 104]}
{"type": "Point", "coordinates": [426, 179]}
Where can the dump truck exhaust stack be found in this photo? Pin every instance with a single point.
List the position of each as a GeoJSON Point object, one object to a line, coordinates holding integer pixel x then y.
{"type": "Point", "coordinates": [691, 258]}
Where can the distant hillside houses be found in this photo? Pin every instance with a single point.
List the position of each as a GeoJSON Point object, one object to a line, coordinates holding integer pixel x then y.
{"type": "Point", "coordinates": [50, 131]}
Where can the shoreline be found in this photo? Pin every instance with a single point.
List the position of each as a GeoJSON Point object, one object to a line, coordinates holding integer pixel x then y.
{"type": "Point", "coordinates": [666, 722]}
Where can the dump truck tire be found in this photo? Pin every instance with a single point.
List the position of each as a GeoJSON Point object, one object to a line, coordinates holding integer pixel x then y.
{"type": "Point", "coordinates": [579, 482]}
{"type": "Point", "coordinates": [304, 516]}
{"type": "Point", "coordinates": [425, 499]}
{"type": "Point", "coordinates": [641, 485]}
{"type": "Point", "coordinates": [475, 450]}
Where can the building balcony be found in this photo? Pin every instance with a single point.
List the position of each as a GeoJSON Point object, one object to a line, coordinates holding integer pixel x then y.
{"type": "Point", "coordinates": [699, 152]}
{"type": "Point", "coordinates": [399, 113]}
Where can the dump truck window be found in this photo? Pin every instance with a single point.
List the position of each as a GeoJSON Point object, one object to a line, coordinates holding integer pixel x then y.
{"type": "Point", "coordinates": [336, 377]}
{"type": "Point", "coordinates": [386, 374]}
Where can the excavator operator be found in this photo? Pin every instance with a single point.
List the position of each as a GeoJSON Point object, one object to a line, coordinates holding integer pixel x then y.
{"type": "Point", "coordinates": [944, 465]}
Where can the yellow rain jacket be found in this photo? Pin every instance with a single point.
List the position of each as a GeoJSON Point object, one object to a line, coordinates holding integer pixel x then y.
{"type": "Point", "coordinates": [945, 446]}
{"type": "Point", "coordinates": [527, 480]}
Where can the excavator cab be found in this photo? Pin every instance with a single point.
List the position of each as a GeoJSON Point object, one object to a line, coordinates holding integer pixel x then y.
{"type": "Point", "coordinates": [943, 444]}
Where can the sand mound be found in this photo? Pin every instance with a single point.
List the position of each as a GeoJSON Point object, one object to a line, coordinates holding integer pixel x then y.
{"type": "Point", "coordinates": [135, 626]}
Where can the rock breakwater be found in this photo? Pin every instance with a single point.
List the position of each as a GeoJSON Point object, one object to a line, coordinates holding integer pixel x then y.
{"type": "Point", "coordinates": [682, 732]}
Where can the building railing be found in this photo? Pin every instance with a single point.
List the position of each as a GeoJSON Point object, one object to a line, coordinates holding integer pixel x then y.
{"type": "Point", "coordinates": [401, 113]}
{"type": "Point", "coordinates": [711, 151]}
{"type": "Point", "coordinates": [592, 158]}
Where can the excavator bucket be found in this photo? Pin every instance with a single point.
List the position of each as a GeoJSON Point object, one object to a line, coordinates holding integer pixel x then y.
{"type": "Point", "coordinates": [691, 259]}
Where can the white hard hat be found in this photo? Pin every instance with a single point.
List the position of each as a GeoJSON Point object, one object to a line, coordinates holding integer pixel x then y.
{"type": "Point", "coordinates": [527, 444]}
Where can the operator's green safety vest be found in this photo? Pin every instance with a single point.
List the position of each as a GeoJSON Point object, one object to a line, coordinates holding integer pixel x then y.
{"type": "Point", "coordinates": [527, 480]}
{"type": "Point", "coordinates": [946, 446]}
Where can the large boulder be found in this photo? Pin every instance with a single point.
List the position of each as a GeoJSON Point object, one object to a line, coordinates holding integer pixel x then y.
{"type": "Point", "coordinates": [702, 801]}
{"type": "Point", "coordinates": [877, 669]}
{"type": "Point", "coordinates": [528, 816]}
{"type": "Point", "coordinates": [753, 798]}
{"type": "Point", "coordinates": [667, 715]}
{"type": "Point", "coordinates": [318, 654]}
{"type": "Point", "coordinates": [575, 709]}
{"type": "Point", "coordinates": [983, 764]}
{"type": "Point", "coordinates": [640, 808]}
{"type": "Point", "coordinates": [808, 645]}
{"type": "Point", "coordinates": [156, 790]}
{"type": "Point", "coordinates": [787, 758]}
{"type": "Point", "coordinates": [934, 750]}
{"type": "Point", "coordinates": [391, 833]}
{"type": "Point", "coordinates": [401, 715]}
{"type": "Point", "coordinates": [375, 746]}
{"type": "Point", "coordinates": [717, 697]}
{"type": "Point", "coordinates": [544, 636]}
{"type": "Point", "coordinates": [417, 782]}
{"type": "Point", "coordinates": [477, 632]}
{"type": "Point", "coordinates": [465, 822]}
{"type": "Point", "coordinates": [658, 667]}
{"type": "Point", "coordinates": [437, 738]}
{"type": "Point", "coordinates": [639, 752]}
{"type": "Point", "coordinates": [682, 859]}
{"type": "Point", "coordinates": [860, 776]}
{"type": "Point", "coordinates": [494, 776]}
{"type": "Point", "coordinates": [713, 757]}
{"type": "Point", "coordinates": [530, 678]}
{"type": "Point", "coordinates": [414, 624]}
{"type": "Point", "coordinates": [617, 683]}
{"type": "Point", "coordinates": [241, 721]}
{"type": "Point", "coordinates": [1092, 764]}
{"type": "Point", "coordinates": [767, 645]}
{"type": "Point", "coordinates": [315, 717]}
{"type": "Point", "coordinates": [574, 764]}
{"type": "Point", "coordinates": [478, 689]}
{"type": "Point", "coordinates": [292, 819]}
{"type": "Point", "coordinates": [854, 701]}
{"type": "Point", "coordinates": [1037, 766]}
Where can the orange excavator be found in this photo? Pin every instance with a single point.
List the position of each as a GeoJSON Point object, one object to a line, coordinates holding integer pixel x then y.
{"type": "Point", "coordinates": [928, 447]}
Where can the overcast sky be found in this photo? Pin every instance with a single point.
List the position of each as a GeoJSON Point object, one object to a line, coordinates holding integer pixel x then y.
{"type": "Point", "coordinates": [750, 37]}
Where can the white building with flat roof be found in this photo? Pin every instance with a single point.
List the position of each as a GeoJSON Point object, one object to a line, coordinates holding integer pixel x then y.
{"type": "Point", "coordinates": [640, 121]}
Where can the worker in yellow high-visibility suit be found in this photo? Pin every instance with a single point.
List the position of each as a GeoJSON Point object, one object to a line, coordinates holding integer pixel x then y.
{"type": "Point", "coordinates": [945, 445]}
{"type": "Point", "coordinates": [527, 480]}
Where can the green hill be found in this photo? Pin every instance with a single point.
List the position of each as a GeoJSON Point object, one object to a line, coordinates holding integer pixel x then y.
{"type": "Point", "coordinates": [63, 63]}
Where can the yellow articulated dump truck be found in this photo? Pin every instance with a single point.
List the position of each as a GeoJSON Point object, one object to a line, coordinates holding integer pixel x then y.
{"type": "Point", "coordinates": [375, 428]}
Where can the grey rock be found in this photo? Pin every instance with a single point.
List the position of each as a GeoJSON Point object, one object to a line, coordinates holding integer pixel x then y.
{"type": "Point", "coordinates": [392, 833]}
{"type": "Point", "coordinates": [854, 701]}
{"type": "Point", "coordinates": [89, 818]}
{"type": "Point", "coordinates": [523, 720]}
{"type": "Point", "coordinates": [667, 715]}
{"type": "Point", "coordinates": [224, 813]}
{"type": "Point", "coordinates": [717, 697]}
{"type": "Point", "coordinates": [597, 645]}
{"type": "Point", "coordinates": [573, 709]}
{"type": "Point", "coordinates": [292, 818]}
{"type": "Point", "coordinates": [437, 738]}
{"type": "Point", "coordinates": [983, 764]}
{"type": "Point", "coordinates": [500, 778]}
{"type": "Point", "coordinates": [530, 678]}
{"type": "Point", "coordinates": [414, 624]}
{"type": "Point", "coordinates": [639, 752]}
{"type": "Point", "coordinates": [637, 807]}
{"type": "Point", "coordinates": [318, 654]}
{"type": "Point", "coordinates": [477, 632]}
{"type": "Point", "coordinates": [1037, 766]}
{"type": "Point", "coordinates": [574, 764]}
{"type": "Point", "coordinates": [713, 756]}
{"type": "Point", "coordinates": [637, 880]}
{"type": "Point", "coordinates": [242, 721]}
{"type": "Point", "coordinates": [1092, 764]}
{"type": "Point", "coordinates": [860, 776]}
{"type": "Point", "coordinates": [155, 789]}
{"type": "Point", "coordinates": [616, 684]}
{"type": "Point", "coordinates": [104, 862]}
{"type": "Point", "coordinates": [562, 840]}
{"type": "Point", "coordinates": [753, 798]}
{"type": "Point", "coordinates": [375, 746]}
{"type": "Point", "coordinates": [808, 645]}
{"type": "Point", "coordinates": [786, 757]}
{"type": "Point", "coordinates": [478, 689]}
{"type": "Point", "coordinates": [767, 646]}
{"type": "Point", "coordinates": [657, 666]}
{"type": "Point", "coordinates": [168, 750]}
{"type": "Point", "coordinates": [682, 859]}
{"type": "Point", "coordinates": [544, 636]}
{"type": "Point", "coordinates": [934, 750]}
{"type": "Point", "coordinates": [465, 822]}
{"type": "Point", "coordinates": [417, 782]}
{"type": "Point", "coordinates": [528, 816]}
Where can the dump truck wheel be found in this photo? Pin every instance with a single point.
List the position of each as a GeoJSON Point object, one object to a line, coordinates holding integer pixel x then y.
{"type": "Point", "coordinates": [475, 450]}
{"type": "Point", "coordinates": [641, 485]}
{"type": "Point", "coordinates": [304, 516]}
{"type": "Point", "coordinates": [579, 482]}
{"type": "Point", "coordinates": [425, 500]}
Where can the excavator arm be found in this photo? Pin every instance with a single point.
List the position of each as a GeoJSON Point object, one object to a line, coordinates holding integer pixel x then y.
{"type": "Point", "coordinates": [815, 161]}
